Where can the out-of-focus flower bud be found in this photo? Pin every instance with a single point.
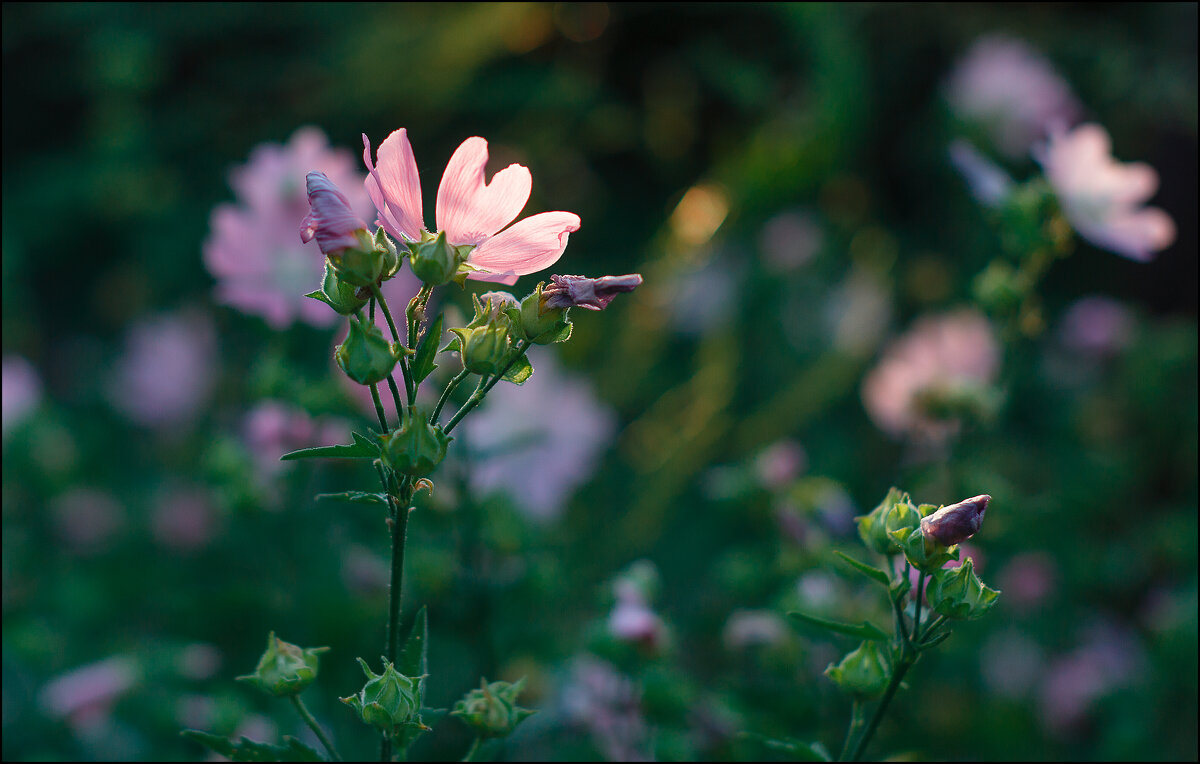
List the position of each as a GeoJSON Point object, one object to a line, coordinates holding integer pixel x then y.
{"type": "Point", "coordinates": [338, 294]}
{"type": "Point", "coordinates": [492, 710]}
{"type": "Point", "coordinates": [365, 356]}
{"type": "Point", "coordinates": [958, 593]}
{"type": "Point", "coordinates": [417, 448]}
{"type": "Point", "coordinates": [871, 527]}
{"type": "Point", "coordinates": [390, 702]}
{"type": "Point", "coordinates": [436, 261]}
{"type": "Point", "coordinates": [538, 323]}
{"type": "Point", "coordinates": [584, 292]}
{"type": "Point", "coordinates": [341, 235]}
{"type": "Point", "coordinates": [956, 523]}
{"type": "Point", "coordinates": [864, 673]}
{"type": "Point", "coordinates": [284, 668]}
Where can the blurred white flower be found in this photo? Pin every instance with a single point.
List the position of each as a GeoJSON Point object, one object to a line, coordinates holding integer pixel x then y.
{"type": "Point", "coordinates": [1103, 198]}
{"type": "Point", "coordinates": [539, 441]}
{"type": "Point", "coordinates": [167, 370]}
{"type": "Point", "coordinates": [790, 239]}
{"type": "Point", "coordinates": [750, 628]}
{"type": "Point", "coordinates": [1012, 91]}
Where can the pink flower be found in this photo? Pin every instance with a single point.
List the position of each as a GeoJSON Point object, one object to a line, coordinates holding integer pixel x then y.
{"type": "Point", "coordinates": [989, 184]}
{"type": "Point", "coordinates": [167, 370]}
{"type": "Point", "coordinates": [469, 210]}
{"type": "Point", "coordinates": [87, 519]}
{"type": "Point", "coordinates": [85, 695]}
{"type": "Point", "coordinates": [1096, 326]}
{"type": "Point", "coordinates": [749, 628]}
{"type": "Point", "coordinates": [780, 464]}
{"type": "Point", "coordinates": [184, 519]}
{"type": "Point", "coordinates": [22, 391]}
{"type": "Point", "coordinates": [330, 220]}
{"type": "Point", "coordinates": [1103, 198]}
{"type": "Point", "coordinates": [273, 428]}
{"type": "Point", "coordinates": [1011, 90]}
{"type": "Point", "coordinates": [584, 292]}
{"type": "Point", "coordinates": [957, 522]}
{"type": "Point", "coordinates": [946, 355]}
{"type": "Point", "coordinates": [261, 267]}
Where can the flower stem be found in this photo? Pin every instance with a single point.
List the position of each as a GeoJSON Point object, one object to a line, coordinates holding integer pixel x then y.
{"type": "Point", "coordinates": [482, 390]}
{"type": "Point", "coordinates": [857, 719]}
{"type": "Point", "coordinates": [905, 664]}
{"type": "Point", "coordinates": [316, 728]}
{"type": "Point", "coordinates": [437, 411]}
{"type": "Point", "coordinates": [916, 629]}
{"type": "Point", "coordinates": [474, 749]}
{"type": "Point", "coordinates": [379, 407]}
{"type": "Point", "coordinates": [409, 388]}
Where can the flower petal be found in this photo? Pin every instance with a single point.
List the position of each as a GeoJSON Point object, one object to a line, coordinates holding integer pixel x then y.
{"type": "Point", "coordinates": [331, 220]}
{"type": "Point", "coordinates": [527, 246]}
{"type": "Point", "coordinates": [469, 210]}
{"type": "Point", "coordinates": [395, 186]}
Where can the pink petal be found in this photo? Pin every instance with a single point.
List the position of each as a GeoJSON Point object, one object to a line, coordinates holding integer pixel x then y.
{"type": "Point", "coordinates": [1138, 235]}
{"type": "Point", "coordinates": [528, 246]}
{"type": "Point", "coordinates": [331, 220]}
{"type": "Point", "coordinates": [469, 210]}
{"type": "Point", "coordinates": [395, 186]}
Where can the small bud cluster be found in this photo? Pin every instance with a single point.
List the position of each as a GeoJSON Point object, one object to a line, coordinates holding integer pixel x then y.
{"type": "Point", "coordinates": [491, 710]}
{"type": "Point", "coordinates": [390, 701]}
{"type": "Point", "coordinates": [284, 669]}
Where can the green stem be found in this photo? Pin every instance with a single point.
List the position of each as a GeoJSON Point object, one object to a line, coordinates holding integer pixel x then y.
{"type": "Point", "coordinates": [474, 749]}
{"type": "Point", "coordinates": [857, 719]}
{"type": "Point", "coordinates": [482, 390]}
{"type": "Point", "coordinates": [391, 380]}
{"type": "Point", "coordinates": [379, 407]}
{"type": "Point", "coordinates": [437, 411]}
{"type": "Point", "coordinates": [316, 728]}
{"type": "Point", "coordinates": [409, 388]}
{"type": "Point", "coordinates": [933, 626]}
{"type": "Point", "coordinates": [877, 717]}
{"type": "Point", "coordinates": [399, 536]}
{"type": "Point", "coordinates": [916, 629]}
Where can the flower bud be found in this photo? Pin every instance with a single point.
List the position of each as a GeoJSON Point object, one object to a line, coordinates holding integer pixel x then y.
{"type": "Point", "coordinates": [584, 292]}
{"type": "Point", "coordinates": [491, 307]}
{"type": "Point", "coordinates": [484, 349]}
{"type": "Point", "coordinates": [436, 261]}
{"type": "Point", "coordinates": [956, 523]}
{"type": "Point", "coordinates": [871, 526]}
{"type": "Point", "coordinates": [390, 702]}
{"type": "Point", "coordinates": [341, 235]}
{"type": "Point", "coordinates": [922, 552]}
{"type": "Point", "coordinates": [864, 673]}
{"type": "Point", "coordinates": [539, 324]}
{"type": "Point", "coordinates": [284, 668]}
{"type": "Point", "coordinates": [901, 516]}
{"type": "Point", "coordinates": [417, 448]}
{"type": "Point", "coordinates": [391, 256]}
{"type": "Point", "coordinates": [338, 294]}
{"type": "Point", "coordinates": [492, 710]}
{"type": "Point", "coordinates": [958, 593]}
{"type": "Point", "coordinates": [365, 356]}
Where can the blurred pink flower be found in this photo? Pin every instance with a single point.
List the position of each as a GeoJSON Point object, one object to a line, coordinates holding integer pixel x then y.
{"type": "Point", "coordinates": [751, 628]}
{"type": "Point", "coordinates": [780, 463]}
{"type": "Point", "coordinates": [1011, 662]}
{"type": "Point", "coordinates": [85, 695]}
{"type": "Point", "coordinates": [947, 355]}
{"type": "Point", "coordinates": [1027, 580]}
{"type": "Point", "coordinates": [537, 442]}
{"type": "Point", "coordinates": [261, 266]}
{"type": "Point", "coordinates": [607, 703]}
{"type": "Point", "coordinates": [1096, 326]}
{"type": "Point", "coordinates": [790, 239]}
{"type": "Point", "coordinates": [167, 370]}
{"type": "Point", "coordinates": [87, 519]}
{"type": "Point", "coordinates": [184, 519]}
{"type": "Point", "coordinates": [1109, 658]}
{"type": "Point", "coordinates": [469, 210]}
{"type": "Point", "coordinates": [22, 391]}
{"type": "Point", "coordinates": [989, 184]}
{"type": "Point", "coordinates": [199, 661]}
{"type": "Point", "coordinates": [1012, 91]}
{"type": "Point", "coordinates": [273, 428]}
{"type": "Point", "coordinates": [1103, 198]}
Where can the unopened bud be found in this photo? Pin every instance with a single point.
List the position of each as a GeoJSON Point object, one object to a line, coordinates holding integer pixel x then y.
{"type": "Point", "coordinates": [484, 349]}
{"type": "Point", "coordinates": [492, 710]}
{"type": "Point", "coordinates": [365, 356]}
{"type": "Point", "coordinates": [390, 702]}
{"type": "Point", "coordinates": [417, 447]}
{"type": "Point", "coordinates": [436, 261]}
{"type": "Point", "coordinates": [284, 668]}
{"type": "Point", "coordinates": [956, 523]}
{"type": "Point", "coordinates": [341, 235]}
{"type": "Point", "coordinates": [871, 527]}
{"type": "Point", "coordinates": [958, 593]}
{"type": "Point", "coordinates": [539, 324]}
{"type": "Point", "coordinates": [338, 294]}
{"type": "Point", "coordinates": [864, 673]}
{"type": "Point", "coordinates": [584, 292]}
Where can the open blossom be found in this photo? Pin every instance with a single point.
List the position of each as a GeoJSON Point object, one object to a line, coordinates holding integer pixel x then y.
{"type": "Point", "coordinates": [261, 267]}
{"type": "Point", "coordinates": [941, 356]}
{"type": "Point", "coordinates": [1012, 91]}
{"type": "Point", "coordinates": [1103, 198]}
{"type": "Point", "coordinates": [583, 292]}
{"type": "Point", "coordinates": [469, 210]}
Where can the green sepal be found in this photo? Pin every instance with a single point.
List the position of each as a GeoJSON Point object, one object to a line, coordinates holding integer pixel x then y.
{"type": "Point", "coordinates": [414, 661]}
{"type": "Point", "coordinates": [319, 296]}
{"type": "Point", "coordinates": [361, 448]}
{"type": "Point", "coordinates": [870, 571]}
{"type": "Point", "coordinates": [934, 641]}
{"type": "Point", "coordinates": [798, 750]}
{"type": "Point", "coordinates": [422, 365]}
{"type": "Point", "coordinates": [356, 497]}
{"type": "Point", "coordinates": [250, 750]}
{"type": "Point", "coordinates": [519, 372]}
{"type": "Point", "coordinates": [864, 630]}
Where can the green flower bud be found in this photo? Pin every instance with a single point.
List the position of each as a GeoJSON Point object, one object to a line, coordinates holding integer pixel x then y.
{"type": "Point", "coordinates": [871, 526]}
{"type": "Point", "coordinates": [492, 710]}
{"type": "Point", "coordinates": [365, 356]}
{"type": "Point", "coordinates": [338, 294]}
{"type": "Point", "coordinates": [484, 349]}
{"type": "Point", "coordinates": [391, 257]}
{"type": "Point", "coordinates": [361, 265]}
{"type": "Point", "coordinates": [902, 515]}
{"type": "Point", "coordinates": [958, 593]}
{"type": "Point", "coordinates": [539, 324]}
{"type": "Point", "coordinates": [417, 448]}
{"type": "Point", "coordinates": [864, 673]}
{"type": "Point", "coordinates": [436, 261]}
{"type": "Point", "coordinates": [923, 552]}
{"type": "Point", "coordinates": [390, 702]}
{"type": "Point", "coordinates": [284, 668]}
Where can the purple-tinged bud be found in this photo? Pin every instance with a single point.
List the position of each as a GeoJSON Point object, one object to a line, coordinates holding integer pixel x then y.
{"type": "Point", "coordinates": [584, 292]}
{"type": "Point", "coordinates": [330, 220]}
{"type": "Point", "coordinates": [956, 523]}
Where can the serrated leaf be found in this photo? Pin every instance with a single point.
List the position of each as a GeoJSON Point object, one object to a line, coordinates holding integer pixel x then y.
{"type": "Point", "coordinates": [520, 371]}
{"type": "Point", "coordinates": [799, 750]}
{"type": "Point", "coordinates": [250, 750]}
{"type": "Point", "coordinates": [865, 630]}
{"type": "Point", "coordinates": [870, 571]}
{"type": "Point", "coordinates": [423, 365]}
{"type": "Point", "coordinates": [356, 497]}
{"type": "Point", "coordinates": [361, 448]}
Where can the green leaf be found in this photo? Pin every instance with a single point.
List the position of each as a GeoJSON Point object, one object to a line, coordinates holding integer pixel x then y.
{"type": "Point", "coordinates": [797, 749]}
{"type": "Point", "coordinates": [414, 655]}
{"type": "Point", "coordinates": [249, 750]}
{"type": "Point", "coordinates": [870, 571]}
{"type": "Point", "coordinates": [362, 448]}
{"type": "Point", "coordinates": [520, 371]}
{"type": "Point", "coordinates": [319, 296]}
{"type": "Point", "coordinates": [356, 497]}
{"type": "Point", "coordinates": [865, 630]}
{"type": "Point", "coordinates": [563, 334]}
{"type": "Point", "coordinates": [423, 365]}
